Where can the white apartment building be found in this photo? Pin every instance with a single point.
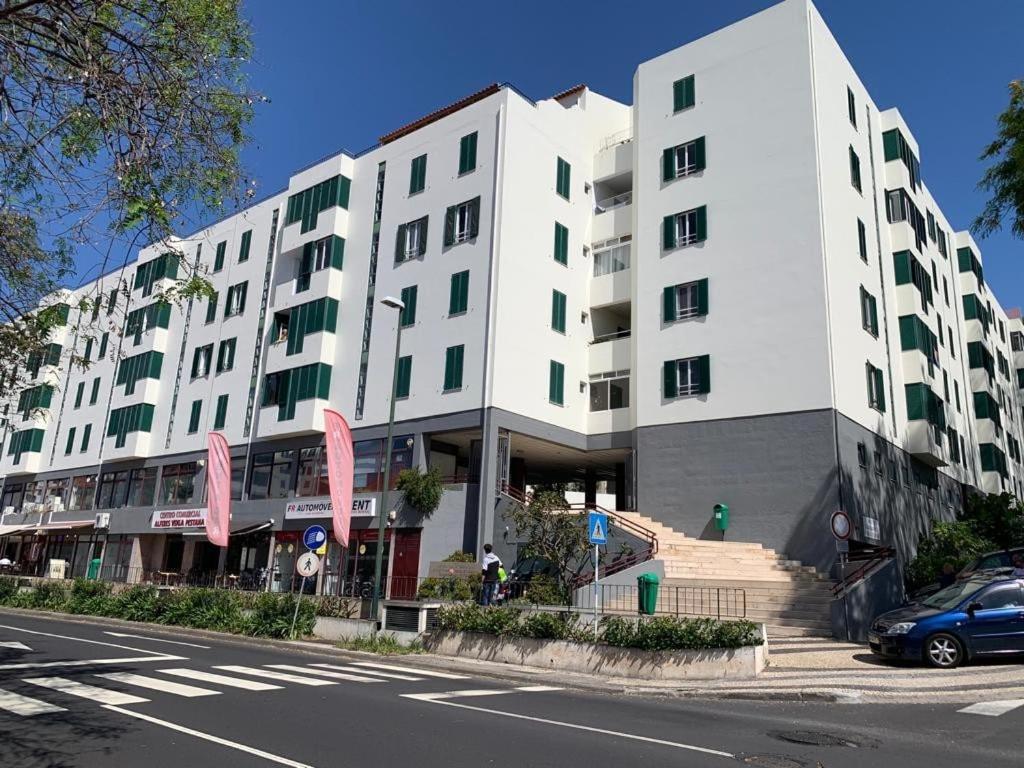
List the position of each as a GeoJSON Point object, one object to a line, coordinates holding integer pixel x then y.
{"type": "Point", "coordinates": [738, 289]}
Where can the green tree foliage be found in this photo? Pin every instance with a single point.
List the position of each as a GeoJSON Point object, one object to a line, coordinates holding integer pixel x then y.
{"type": "Point", "coordinates": [1004, 178]}
{"type": "Point", "coordinates": [120, 121]}
{"type": "Point", "coordinates": [554, 532]}
{"type": "Point", "coordinates": [423, 490]}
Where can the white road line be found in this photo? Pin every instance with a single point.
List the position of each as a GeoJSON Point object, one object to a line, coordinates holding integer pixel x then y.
{"type": "Point", "coordinates": [14, 645]}
{"type": "Point", "coordinates": [156, 684]}
{"type": "Point", "coordinates": [74, 688]}
{"type": "Point", "coordinates": [275, 675]}
{"type": "Point", "coordinates": [993, 708]}
{"type": "Point", "coordinates": [157, 640]}
{"type": "Point", "coordinates": [324, 673]}
{"type": "Point", "coordinates": [210, 737]}
{"type": "Point", "coordinates": [411, 670]}
{"type": "Point", "coordinates": [88, 662]}
{"type": "Point", "coordinates": [26, 706]}
{"type": "Point", "coordinates": [79, 640]}
{"type": "Point", "coordinates": [389, 675]}
{"type": "Point", "coordinates": [479, 692]}
{"type": "Point", "coordinates": [577, 727]}
{"type": "Point", "coordinates": [210, 677]}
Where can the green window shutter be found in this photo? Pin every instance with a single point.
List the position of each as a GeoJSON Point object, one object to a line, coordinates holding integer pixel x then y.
{"type": "Point", "coordinates": [418, 174]}
{"type": "Point", "coordinates": [562, 178]}
{"type": "Point", "coordinates": [704, 369]}
{"type": "Point", "coordinates": [88, 349]}
{"type": "Point", "coordinates": [880, 388]}
{"type": "Point", "coordinates": [193, 419]}
{"type": "Point", "coordinates": [407, 316]}
{"type": "Point", "coordinates": [103, 345]}
{"type": "Point", "coordinates": [467, 153]}
{"type": "Point", "coordinates": [71, 441]}
{"type": "Point", "coordinates": [668, 304]}
{"type": "Point", "coordinates": [862, 240]}
{"type": "Point", "coordinates": [218, 259]}
{"type": "Point", "coordinates": [449, 225]}
{"type": "Point", "coordinates": [422, 248]}
{"type": "Point", "coordinates": [403, 376]}
{"type": "Point", "coordinates": [453, 367]}
{"type": "Point", "coordinates": [211, 308]}
{"type": "Point", "coordinates": [556, 383]}
{"type": "Point", "coordinates": [668, 233]}
{"type": "Point", "coordinates": [558, 311]}
{"type": "Point", "coordinates": [95, 393]}
{"type": "Point", "coordinates": [330, 317]}
{"type": "Point", "coordinates": [86, 433]}
{"type": "Point", "coordinates": [561, 244]}
{"type": "Point", "coordinates": [244, 289]}
{"type": "Point", "coordinates": [400, 243]}
{"type": "Point", "coordinates": [474, 217]}
{"type": "Point", "coordinates": [702, 224]}
{"type": "Point", "coordinates": [683, 93]}
{"type": "Point", "coordinates": [700, 154]}
{"type": "Point", "coordinates": [78, 394]}
{"type": "Point", "coordinates": [702, 296]}
{"type": "Point", "coordinates": [196, 357]}
{"type": "Point", "coordinates": [891, 145]}
{"type": "Point", "coordinates": [243, 251]}
{"type": "Point", "coordinates": [337, 252]}
{"type": "Point", "coordinates": [458, 300]}
{"type": "Point", "coordinates": [668, 164]}
{"type": "Point", "coordinates": [222, 412]}
{"type": "Point", "coordinates": [855, 170]}
{"type": "Point", "coordinates": [670, 379]}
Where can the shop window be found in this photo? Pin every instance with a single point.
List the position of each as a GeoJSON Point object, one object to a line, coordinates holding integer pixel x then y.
{"type": "Point", "coordinates": [142, 487]}
{"type": "Point", "coordinates": [313, 473]}
{"type": "Point", "coordinates": [83, 492]}
{"type": "Point", "coordinates": [237, 477]}
{"type": "Point", "coordinates": [177, 483]}
{"type": "Point", "coordinates": [369, 464]}
{"type": "Point", "coordinates": [113, 490]}
{"type": "Point", "coordinates": [13, 495]}
{"type": "Point", "coordinates": [272, 475]}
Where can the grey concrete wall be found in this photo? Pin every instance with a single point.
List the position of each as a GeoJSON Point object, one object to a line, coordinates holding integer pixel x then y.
{"type": "Point", "coordinates": [853, 613]}
{"type": "Point", "coordinates": [444, 531]}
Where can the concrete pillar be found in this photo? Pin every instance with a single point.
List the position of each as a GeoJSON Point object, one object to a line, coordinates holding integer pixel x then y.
{"type": "Point", "coordinates": [620, 486]}
{"type": "Point", "coordinates": [488, 481]}
{"type": "Point", "coordinates": [187, 555]}
{"type": "Point", "coordinates": [590, 487]}
{"type": "Point", "coordinates": [222, 557]}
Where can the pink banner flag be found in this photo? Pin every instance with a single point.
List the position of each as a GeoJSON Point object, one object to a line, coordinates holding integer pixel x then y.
{"type": "Point", "coordinates": [218, 489]}
{"type": "Point", "coordinates": [340, 471]}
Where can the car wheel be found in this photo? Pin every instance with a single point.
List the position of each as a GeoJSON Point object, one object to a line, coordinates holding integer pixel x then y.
{"type": "Point", "coordinates": [943, 651]}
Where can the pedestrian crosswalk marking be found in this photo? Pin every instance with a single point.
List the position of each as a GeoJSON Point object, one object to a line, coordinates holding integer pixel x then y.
{"type": "Point", "coordinates": [156, 684]}
{"type": "Point", "coordinates": [993, 708]}
{"type": "Point", "coordinates": [211, 677]}
{"type": "Point", "coordinates": [271, 675]}
{"type": "Point", "coordinates": [91, 692]}
{"type": "Point", "coordinates": [411, 670]}
{"type": "Point", "coordinates": [324, 673]}
{"type": "Point", "coordinates": [389, 675]}
{"type": "Point", "coordinates": [26, 706]}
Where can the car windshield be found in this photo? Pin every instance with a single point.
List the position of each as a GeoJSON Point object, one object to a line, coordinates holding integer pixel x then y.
{"type": "Point", "coordinates": [953, 595]}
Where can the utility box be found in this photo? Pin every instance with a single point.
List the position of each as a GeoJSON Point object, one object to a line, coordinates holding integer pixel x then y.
{"type": "Point", "coordinates": [722, 517]}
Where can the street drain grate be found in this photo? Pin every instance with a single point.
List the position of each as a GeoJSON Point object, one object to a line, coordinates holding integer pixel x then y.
{"type": "Point", "coordinates": [817, 739]}
{"type": "Point", "coordinates": [770, 761]}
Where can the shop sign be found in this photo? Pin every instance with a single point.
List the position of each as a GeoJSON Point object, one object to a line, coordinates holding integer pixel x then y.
{"type": "Point", "coordinates": [178, 518]}
{"type": "Point", "coordinates": [362, 506]}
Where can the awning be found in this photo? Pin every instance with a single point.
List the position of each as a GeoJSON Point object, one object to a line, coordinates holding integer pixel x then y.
{"type": "Point", "coordinates": [240, 530]}
{"type": "Point", "coordinates": [8, 530]}
{"type": "Point", "coordinates": [68, 525]}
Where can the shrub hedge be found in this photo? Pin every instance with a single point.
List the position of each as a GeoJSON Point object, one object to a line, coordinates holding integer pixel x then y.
{"type": "Point", "coordinates": [656, 633]}
{"type": "Point", "coordinates": [257, 615]}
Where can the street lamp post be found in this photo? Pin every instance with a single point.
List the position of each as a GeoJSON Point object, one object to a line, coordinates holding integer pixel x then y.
{"type": "Point", "coordinates": [387, 301]}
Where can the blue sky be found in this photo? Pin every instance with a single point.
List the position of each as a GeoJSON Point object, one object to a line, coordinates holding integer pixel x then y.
{"type": "Point", "coordinates": [340, 73]}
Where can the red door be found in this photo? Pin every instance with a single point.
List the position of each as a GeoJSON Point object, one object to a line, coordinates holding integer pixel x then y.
{"type": "Point", "coordinates": [406, 565]}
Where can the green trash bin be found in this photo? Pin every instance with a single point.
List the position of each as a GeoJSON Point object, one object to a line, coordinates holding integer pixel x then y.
{"type": "Point", "coordinates": [94, 568]}
{"type": "Point", "coordinates": [647, 591]}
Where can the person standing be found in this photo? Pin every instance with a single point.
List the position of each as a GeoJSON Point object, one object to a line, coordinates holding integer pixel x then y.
{"type": "Point", "coordinates": [491, 566]}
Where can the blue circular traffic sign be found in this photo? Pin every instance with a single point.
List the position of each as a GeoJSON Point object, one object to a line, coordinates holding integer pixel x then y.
{"type": "Point", "coordinates": [314, 537]}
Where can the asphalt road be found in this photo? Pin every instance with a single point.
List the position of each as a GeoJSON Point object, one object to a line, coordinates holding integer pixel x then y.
{"type": "Point", "coordinates": [77, 695]}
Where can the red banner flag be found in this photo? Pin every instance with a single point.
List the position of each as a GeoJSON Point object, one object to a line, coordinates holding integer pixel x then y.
{"type": "Point", "coordinates": [218, 489]}
{"type": "Point", "coordinates": [340, 471]}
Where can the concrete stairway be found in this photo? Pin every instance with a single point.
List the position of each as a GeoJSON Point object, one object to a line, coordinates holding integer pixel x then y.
{"type": "Point", "coordinates": [789, 597]}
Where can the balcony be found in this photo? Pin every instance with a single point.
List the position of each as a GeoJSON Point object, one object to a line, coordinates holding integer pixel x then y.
{"type": "Point", "coordinates": [926, 442]}
{"type": "Point", "coordinates": [615, 155]}
{"type": "Point", "coordinates": [317, 347]}
{"type": "Point", "coordinates": [308, 419]}
{"type": "Point", "coordinates": [613, 209]}
{"type": "Point", "coordinates": [137, 445]}
{"type": "Point", "coordinates": [322, 282]}
{"type": "Point", "coordinates": [332, 221]}
{"type": "Point", "coordinates": [611, 352]}
{"type": "Point", "coordinates": [612, 280]}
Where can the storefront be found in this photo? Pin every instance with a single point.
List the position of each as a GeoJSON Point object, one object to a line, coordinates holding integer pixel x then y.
{"type": "Point", "coordinates": [30, 548]}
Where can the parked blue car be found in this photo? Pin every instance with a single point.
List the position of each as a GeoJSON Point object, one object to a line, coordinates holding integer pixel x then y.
{"type": "Point", "coordinates": [979, 616]}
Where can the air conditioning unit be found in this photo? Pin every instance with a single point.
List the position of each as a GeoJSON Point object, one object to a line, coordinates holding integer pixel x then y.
{"type": "Point", "coordinates": [102, 520]}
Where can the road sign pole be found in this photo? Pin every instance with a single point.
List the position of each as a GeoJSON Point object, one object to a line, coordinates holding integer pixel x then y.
{"type": "Point", "coordinates": [597, 589]}
{"type": "Point", "coordinates": [298, 602]}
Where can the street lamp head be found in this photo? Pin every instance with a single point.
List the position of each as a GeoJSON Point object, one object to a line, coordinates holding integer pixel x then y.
{"type": "Point", "coordinates": [391, 301]}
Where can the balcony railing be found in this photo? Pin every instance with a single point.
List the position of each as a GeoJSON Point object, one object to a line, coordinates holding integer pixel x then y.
{"type": "Point", "coordinates": [613, 202]}
{"type": "Point", "coordinates": [621, 334]}
{"type": "Point", "coordinates": [619, 137]}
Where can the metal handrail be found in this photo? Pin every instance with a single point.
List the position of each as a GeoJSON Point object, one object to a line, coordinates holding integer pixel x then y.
{"type": "Point", "coordinates": [616, 201]}
{"type": "Point", "coordinates": [866, 569]}
{"type": "Point", "coordinates": [625, 333]}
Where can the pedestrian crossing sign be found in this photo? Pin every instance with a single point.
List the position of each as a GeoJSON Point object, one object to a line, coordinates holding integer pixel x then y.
{"type": "Point", "coordinates": [598, 527]}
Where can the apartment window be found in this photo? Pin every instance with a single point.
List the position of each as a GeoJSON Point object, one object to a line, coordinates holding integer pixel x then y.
{"type": "Point", "coordinates": [868, 312]}
{"type": "Point", "coordinates": [862, 240]}
{"type": "Point", "coordinates": [1017, 341]}
{"type": "Point", "coordinates": [88, 349]}
{"type": "Point", "coordinates": [403, 377]}
{"type": "Point", "coordinates": [562, 175]}
{"type": "Point", "coordinates": [193, 418]}
{"type": "Point", "coordinates": [221, 414]}
{"type": "Point", "coordinates": [609, 391]}
{"type": "Point", "coordinates": [407, 316]}
{"type": "Point", "coordinates": [467, 153]}
{"type": "Point", "coordinates": [942, 243]}
{"type": "Point", "coordinates": [218, 259]}
{"type": "Point", "coordinates": [685, 228]}
{"type": "Point", "coordinates": [956, 394]}
{"type": "Point", "coordinates": [851, 107]}
{"type": "Point", "coordinates": [94, 395]}
{"type": "Point", "coordinates": [683, 94]}
{"type": "Point", "coordinates": [418, 174]}
{"type": "Point", "coordinates": [142, 487]}
{"type": "Point", "coordinates": [558, 311]}
{"type": "Point", "coordinates": [313, 480]}
{"type": "Point", "coordinates": [687, 300]}
{"type": "Point", "coordinates": [561, 244]}
{"type": "Point", "coordinates": [952, 346]}
{"type": "Point", "coordinates": [226, 355]}
{"type": "Point", "coordinates": [211, 308]}
{"type": "Point", "coordinates": [609, 260]}
{"type": "Point", "coordinates": [453, 357]}
{"type": "Point", "coordinates": [462, 222]}
{"type": "Point", "coordinates": [113, 490]}
{"type": "Point", "coordinates": [876, 388]}
{"type": "Point", "coordinates": [243, 249]}
{"type": "Point", "coordinates": [862, 454]}
{"type": "Point", "coordinates": [945, 386]}
{"type": "Point", "coordinates": [71, 441]}
{"type": "Point", "coordinates": [104, 339]}
{"type": "Point", "coordinates": [689, 376]}
{"type": "Point", "coordinates": [458, 296]}
{"type": "Point", "coordinates": [895, 147]}
{"type": "Point", "coordinates": [201, 360]}
{"type": "Point", "coordinates": [931, 224]}
{"type": "Point", "coordinates": [86, 433]}
{"type": "Point", "coordinates": [177, 483]}
{"type": "Point", "coordinates": [235, 303]}
{"type": "Point", "coordinates": [855, 170]}
{"type": "Point", "coordinates": [316, 255]}
{"type": "Point", "coordinates": [683, 160]}
{"type": "Point", "coordinates": [945, 290]}
{"type": "Point", "coordinates": [79, 393]}
{"type": "Point", "coordinates": [556, 383]}
{"type": "Point", "coordinates": [939, 329]}
{"type": "Point", "coordinates": [272, 475]}
{"type": "Point", "coordinates": [879, 466]}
